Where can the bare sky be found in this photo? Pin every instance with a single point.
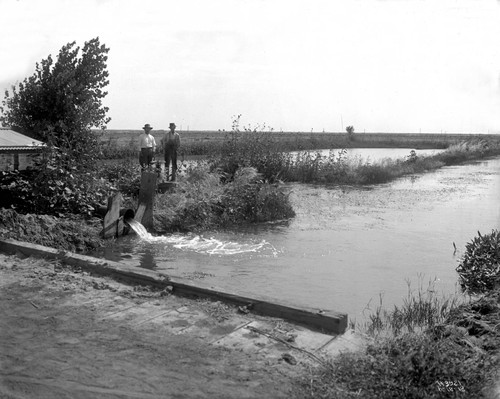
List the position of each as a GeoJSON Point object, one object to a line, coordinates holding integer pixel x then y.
{"type": "Point", "coordinates": [380, 65]}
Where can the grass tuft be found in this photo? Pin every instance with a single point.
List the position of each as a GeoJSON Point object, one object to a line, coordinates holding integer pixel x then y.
{"type": "Point", "coordinates": [429, 347]}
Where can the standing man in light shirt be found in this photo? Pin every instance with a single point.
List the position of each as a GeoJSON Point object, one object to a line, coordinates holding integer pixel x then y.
{"type": "Point", "coordinates": [147, 145]}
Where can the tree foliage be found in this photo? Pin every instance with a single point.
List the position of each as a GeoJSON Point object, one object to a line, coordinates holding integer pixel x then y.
{"type": "Point", "coordinates": [62, 101]}
{"type": "Point", "coordinates": [59, 105]}
{"type": "Point", "coordinates": [350, 131]}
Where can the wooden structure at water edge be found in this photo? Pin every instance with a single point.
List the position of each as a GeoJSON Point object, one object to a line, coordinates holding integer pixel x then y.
{"type": "Point", "coordinates": [144, 213]}
{"type": "Point", "coordinates": [114, 224]}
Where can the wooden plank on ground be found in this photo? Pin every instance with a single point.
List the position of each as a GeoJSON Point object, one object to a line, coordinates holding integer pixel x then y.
{"type": "Point", "coordinates": [322, 320]}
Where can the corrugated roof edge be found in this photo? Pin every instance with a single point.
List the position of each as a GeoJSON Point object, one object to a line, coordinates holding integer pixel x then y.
{"type": "Point", "coordinates": [21, 149]}
{"type": "Point", "coordinates": [15, 140]}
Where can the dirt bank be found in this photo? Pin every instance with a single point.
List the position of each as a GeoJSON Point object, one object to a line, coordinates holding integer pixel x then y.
{"type": "Point", "coordinates": [68, 233]}
{"type": "Point", "coordinates": [67, 334]}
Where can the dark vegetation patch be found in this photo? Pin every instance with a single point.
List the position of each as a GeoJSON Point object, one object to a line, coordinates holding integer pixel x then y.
{"type": "Point", "coordinates": [479, 268]}
{"type": "Point", "coordinates": [409, 366]}
{"type": "Point", "coordinates": [70, 234]}
{"type": "Point", "coordinates": [208, 200]}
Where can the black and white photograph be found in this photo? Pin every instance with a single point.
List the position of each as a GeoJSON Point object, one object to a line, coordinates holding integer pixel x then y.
{"type": "Point", "coordinates": [249, 199]}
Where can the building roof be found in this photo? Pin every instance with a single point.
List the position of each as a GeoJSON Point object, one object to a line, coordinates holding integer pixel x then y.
{"type": "Point", "coordinates": [11, 140]}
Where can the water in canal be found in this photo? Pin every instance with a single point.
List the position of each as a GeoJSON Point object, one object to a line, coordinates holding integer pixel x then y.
{"type": "Point", "coordinates": [346, 246]}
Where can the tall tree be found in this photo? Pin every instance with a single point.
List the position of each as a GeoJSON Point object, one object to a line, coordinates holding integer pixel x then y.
{"type": "Point", "coordinates": [62, 101]}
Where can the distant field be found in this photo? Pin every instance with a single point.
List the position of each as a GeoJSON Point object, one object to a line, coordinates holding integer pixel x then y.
{"type": "Point", "coordinates": [128, 138]}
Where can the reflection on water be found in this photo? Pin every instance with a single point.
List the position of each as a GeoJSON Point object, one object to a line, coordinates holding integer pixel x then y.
{"type": "Point", "coordinates": [346, 245]}
{"type": "Point", "coordinates": [371, 154]}
{"type": "Point", "coordinates": [147, 259]}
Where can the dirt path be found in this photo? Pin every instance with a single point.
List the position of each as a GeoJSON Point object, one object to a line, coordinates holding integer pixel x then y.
{"type": "Point", "coordinates": [66, 334]}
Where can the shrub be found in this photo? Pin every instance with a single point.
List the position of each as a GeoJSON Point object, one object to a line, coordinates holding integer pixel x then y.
{"type": "Point", "coordinates": [53, 190]}
{"type": "Point", "coordinates": [350, 132]}
{"type": "Point", "coordinates": [479, 268]}
{"type": "Point", "coordinates": [253, 147]}
{"type": "Point", "coordinates": [124, 175]}
{"type": "Point", "coordinates": [194, 203]}
{"type": "Point", "coordinates": [208, 200]}
{"type": "Point", "coordinates": [248, 198]}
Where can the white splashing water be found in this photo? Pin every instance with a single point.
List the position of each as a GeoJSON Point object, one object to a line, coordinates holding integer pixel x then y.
{"type": "Point", "coordinates": [139, 229]}
{"type": "Point", "coordinates": [211, 246]}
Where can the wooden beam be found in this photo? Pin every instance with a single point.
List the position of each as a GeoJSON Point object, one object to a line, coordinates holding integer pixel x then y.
{"type": "Point", "coordinates": [325, 320]}
{"type": "Point", "coordinates": [146, 199]}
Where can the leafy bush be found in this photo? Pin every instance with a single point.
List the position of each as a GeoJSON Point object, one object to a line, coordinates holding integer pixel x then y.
{"type": "Point", "coordinates": [304, 167]}
{"type": "Point", "coordinates": [350, 132]}
{"type": "Point", "coordinates": [479, 268]}
{"type": "Point", "coordinates": [253, 147]}
{"type": "Point", "coordinates": [124, 175]}
{"type": "Point", "coordinates": [193, 204]}
{"type": "Point", "coordinates": [53, 190]}
{"type": "Point", "coordinates": [207, 200]}
{"type": "Point", "coordinates": [248, 198]}
{"type": "Point", "coordinates": [248, 149]}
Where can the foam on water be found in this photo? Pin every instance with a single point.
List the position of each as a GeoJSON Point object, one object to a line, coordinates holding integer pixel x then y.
{"type": "Point", "coordinates": [211, 246]}
{"type": "Point", "coordinates": [139, 229]}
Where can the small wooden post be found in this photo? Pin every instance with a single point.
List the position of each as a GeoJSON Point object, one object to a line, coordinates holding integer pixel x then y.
{"type": "Point", "coordinates": [144, 214]}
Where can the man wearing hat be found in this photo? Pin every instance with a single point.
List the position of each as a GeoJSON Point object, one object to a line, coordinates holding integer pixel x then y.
{"type": "Point", "coordinates": [147, 144]}
{"type": "Point", "coordinates": [171, 142]}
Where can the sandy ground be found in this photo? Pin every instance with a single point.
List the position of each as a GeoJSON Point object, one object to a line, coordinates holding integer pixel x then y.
{"type": "Point", "coordinates": [67, 334]}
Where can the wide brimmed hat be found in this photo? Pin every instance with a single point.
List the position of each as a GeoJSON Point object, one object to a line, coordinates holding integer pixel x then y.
{"type": "Point", "coordinates": [172, 125]}
{"type": "Point", "coordinates": [147, 127]}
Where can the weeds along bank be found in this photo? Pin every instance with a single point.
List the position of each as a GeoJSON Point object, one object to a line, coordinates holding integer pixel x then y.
{"type": "Point", "coordinates": [271, 155]}
{"type": "Point", "coordinates": [430, 346]}
{"type": "Point", "coordinates": [264, 153]}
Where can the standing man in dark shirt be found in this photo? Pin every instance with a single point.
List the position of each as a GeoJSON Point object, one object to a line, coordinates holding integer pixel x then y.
{"type": "Point", "coordinates": [171, 142]}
